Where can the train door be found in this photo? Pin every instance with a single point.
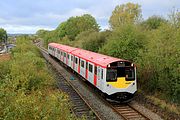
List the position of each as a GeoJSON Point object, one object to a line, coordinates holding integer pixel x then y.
{"type": "Point", "coordinates": [69, 60]}
{"type": "Point", "coordinates": [56, 53]}
{"type": "Point", "coordinates": [64, 60]}
{"type": "Point", "coordinates": [100, 77]}
{"type": "Point", "coordinates": [95, 75]}
{"type": "Point", "coordinates": [82, 68]}
{"type": "Point", "coordinates": [76, 60]}
{"type": "Point", "coordinates": [91, 73]}
{"type": "Point", "coordinates": [72, 61]}
{"type": "Point", "coordinates": [59, 55]}
{"type": "Point", "coordinates": [62, 54]}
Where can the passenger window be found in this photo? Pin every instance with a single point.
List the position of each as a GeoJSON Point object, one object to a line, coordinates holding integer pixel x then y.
{"type": "Point", "coordinates": [64, 54]}
{"type": "Point", "coordinates": [90, 68]}
{"type": "Point", "coordinates": [71, 58]}
{"type": "Point", "coordinates": [86, 65]}
{"type": "Point", "coordinates": [101, 73]}
{"type": "Point", "coordinates": [76, 60]}
{"type": "Point", "coordinates": [82, 63]}
{"type": "Point", "coordinates": [58, 52]}
{"type": "Point", "coordinates": [95, 70]}
{"type": "Point", "coordinates": [68, 56]}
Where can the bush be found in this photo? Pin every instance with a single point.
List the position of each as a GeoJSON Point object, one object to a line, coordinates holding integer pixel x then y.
{"type": "Point", "coordinates": [27, 90]}
{"type": "Point", "coordinates": [124, 43]}
{"type": "Point", "coordinates": [160, 63]}
{"type": "Point", "coordinates": [91, 40]}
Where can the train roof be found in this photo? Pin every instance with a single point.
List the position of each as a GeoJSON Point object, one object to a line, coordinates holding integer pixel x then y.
{"type": "Point", "coordinates": [66, 48]}
{"type": "Point", "coordinates": [53, 44]}
{"type": "Point", "coordinates": [96, 58]}
{"type": "Point", "coordinates": [63, 47]}
{"type": "Point", "coordinates": [100, 59]}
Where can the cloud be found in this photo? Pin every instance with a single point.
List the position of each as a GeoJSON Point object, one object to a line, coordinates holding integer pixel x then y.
{"type": "Point", "coordinates": [23, 29]}
{"type": "Point", "coordinates": [28, 15]}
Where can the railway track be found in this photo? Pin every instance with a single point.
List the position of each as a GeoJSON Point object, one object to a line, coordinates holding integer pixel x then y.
{"type": "Point", "coordinates": [81, 107]}
{"type": "Point", "coordinates": [128, 112]}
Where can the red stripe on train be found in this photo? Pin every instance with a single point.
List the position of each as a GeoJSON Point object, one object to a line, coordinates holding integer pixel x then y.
{"type": "Point", "coordinates": [79, 69]}
{"type": "Point", "coordinates": [95, 80]}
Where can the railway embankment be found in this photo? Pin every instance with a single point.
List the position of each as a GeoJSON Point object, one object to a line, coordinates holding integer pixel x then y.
{"type": "Point", "coordinates": [27, 90]}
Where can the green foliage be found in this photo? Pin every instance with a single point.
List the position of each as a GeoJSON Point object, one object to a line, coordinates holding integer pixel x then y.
{"type": "Point", "coordinates": [78, 24]}
{"type": "Point", "coordinates": [68, 30]}
{"type": "Point", "coordinates": [124, 43]}
{"type": "Point", "coordinates": [129, 13]}
{"type": "Point", "coordinates": [94, 41]}
{"type": "Point", "coordinates": [160, 63]}
{"type": "Point", "coordinates": [82, 37]}
{"type": "Point", "coordinates": [153, 22]}
{"type": "Point", "coordinates": [41, 32]}
{"type": "Point", "coordinates": [3, 35]}
{"type": "Point", "coordinates": [27, 90]}
{"type": "Point", "coordinates": [61, 29]}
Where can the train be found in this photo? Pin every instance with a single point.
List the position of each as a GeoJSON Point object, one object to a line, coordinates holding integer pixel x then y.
{"type": "Point", "coordinates": [115, 78]}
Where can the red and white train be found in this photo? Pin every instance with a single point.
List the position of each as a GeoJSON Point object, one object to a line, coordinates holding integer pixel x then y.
{"type": "Point", "coordinates": [114, 77]}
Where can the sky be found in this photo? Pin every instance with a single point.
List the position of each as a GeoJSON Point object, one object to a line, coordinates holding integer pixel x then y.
{"type": "Point", "coordinates": [28, 16]}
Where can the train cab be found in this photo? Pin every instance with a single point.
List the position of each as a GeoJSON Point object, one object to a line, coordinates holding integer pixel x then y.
{"type": "Point", "coordinates": [121, 80]}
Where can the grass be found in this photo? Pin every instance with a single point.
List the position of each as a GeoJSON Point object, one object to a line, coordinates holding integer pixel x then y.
{"type": "Point", "coordinates": [174, 108]}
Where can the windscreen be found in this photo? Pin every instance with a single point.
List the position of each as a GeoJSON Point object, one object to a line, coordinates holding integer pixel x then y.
{"type": "Point", "coordinates": [114, 73]}
{"type": "Point", "coordinates": [111, 75]}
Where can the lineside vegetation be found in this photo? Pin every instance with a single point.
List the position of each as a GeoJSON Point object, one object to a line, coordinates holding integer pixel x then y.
{"type": "Point", "coordinates": [27, 89]}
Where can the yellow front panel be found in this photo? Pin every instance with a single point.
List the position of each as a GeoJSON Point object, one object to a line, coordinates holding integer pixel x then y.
{"type": "Point", "coordinates": [120, 83]}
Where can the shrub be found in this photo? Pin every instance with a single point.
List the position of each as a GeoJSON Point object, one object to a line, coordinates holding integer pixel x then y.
{"type": "Point", "coordinates": [124, 43]}
{"type": "Point", "coordinates": [27, 90]}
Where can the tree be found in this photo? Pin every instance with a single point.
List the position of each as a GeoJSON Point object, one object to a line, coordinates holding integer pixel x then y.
{"type": "Point", "coordinates": [153, 22]}
{"type": "Point", "coordinates": [125, 13]}
{"type": "Point", "coordinates": [61, 29]}
{"type": "Point", "coordinates": [41, 33]}
{"type": "Point", "coordinates": [159, 71]}
{"type": "Point", "coordinates": [78, 24]}
{"type": "Point", "coordinates": [124, 43]}
{"type": "Point", "coordinates": [174, 18]}
{"type": "Point", "coordinates": [3, 35]}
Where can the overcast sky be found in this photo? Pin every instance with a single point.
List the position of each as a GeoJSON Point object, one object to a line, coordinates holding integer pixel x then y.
{"type": "Point", "coordinates": [27, 16]}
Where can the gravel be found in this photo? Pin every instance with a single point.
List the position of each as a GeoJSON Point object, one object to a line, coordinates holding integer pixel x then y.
{"type": "Point", "coordinates": [145, 111]}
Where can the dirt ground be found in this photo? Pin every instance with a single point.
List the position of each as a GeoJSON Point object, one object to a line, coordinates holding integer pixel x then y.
{"type": "Point", "coordinates": [4, 57]}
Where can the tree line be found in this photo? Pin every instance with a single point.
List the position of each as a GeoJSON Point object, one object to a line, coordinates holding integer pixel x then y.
{"type": "Point", "coordinates": [153, 44]}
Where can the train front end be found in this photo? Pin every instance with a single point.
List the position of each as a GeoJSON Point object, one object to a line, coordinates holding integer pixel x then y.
{"type": "Point", "coordinates": [121, 83]}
